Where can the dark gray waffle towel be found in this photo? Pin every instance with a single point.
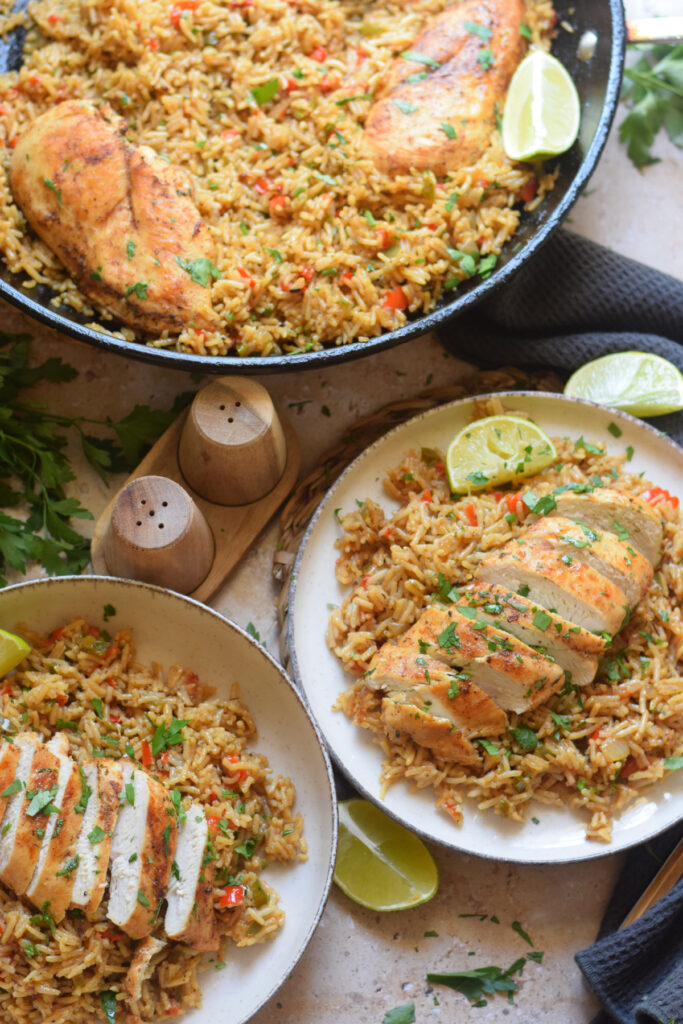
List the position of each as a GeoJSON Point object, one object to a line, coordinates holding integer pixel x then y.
{"type": "Point", "coordinates": [573, 302]}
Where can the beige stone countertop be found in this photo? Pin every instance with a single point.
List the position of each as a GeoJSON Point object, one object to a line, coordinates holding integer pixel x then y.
{"type": "Point", "coordinates": [361, 964]}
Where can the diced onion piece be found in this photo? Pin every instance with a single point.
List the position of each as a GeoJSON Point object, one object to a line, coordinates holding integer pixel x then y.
{"type": "Point", "coordinates": [615, 749]}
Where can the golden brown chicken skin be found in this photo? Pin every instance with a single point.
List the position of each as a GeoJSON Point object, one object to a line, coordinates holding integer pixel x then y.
{"type": "Point", "coordinates": [121, 220]}
{"type": "Point", "coordinates": [444, 120]}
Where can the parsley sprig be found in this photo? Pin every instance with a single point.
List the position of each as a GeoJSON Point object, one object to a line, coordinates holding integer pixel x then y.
{"type": "Point", "coordinates": [35, 468]}
{"type": "Point", "coordinates": [653, 88]}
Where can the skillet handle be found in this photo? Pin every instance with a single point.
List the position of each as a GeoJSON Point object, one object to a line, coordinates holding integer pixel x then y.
{"type": "Point", "coordinates": [655, 30]}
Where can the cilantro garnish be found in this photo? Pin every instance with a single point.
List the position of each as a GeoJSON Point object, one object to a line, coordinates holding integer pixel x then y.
{"type": "Point", "coordinates": [264, 93]}
{"type": "Point", "coordinates": [486, 59]}
{"type": "Point", "coordinates": [654, 91]}
{"type": "Point", "coordinates": [70, 866]}
{"type": "Point", "coordinates": [400, 1014]}
{"type": "Point", "coordinates": [97, 835]}
{"type": "Point", "coordinates": [481, 981]}
{"type": "Point", "coordinates": [167, 735]}
{"type": "Point", "coordinates": [201, 270]}
{"type": "Point", "coordinates": [420, 58]}
{"type": "Point", "coordinates": [526, 737]}
{"type": "Point", "coordinates": [140, 289]}
{"type": "Point", "coordinates": [483, 31]}
{"type": "Point", "coordinates": [516, 927]}
{"type": "Point", "coordinates": [108, 1002]}
{"type": "Point", "coordinates": [405, 106]}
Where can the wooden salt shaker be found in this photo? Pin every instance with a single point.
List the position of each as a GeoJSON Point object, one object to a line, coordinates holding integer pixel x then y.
{"type": "Point", "coordinates": [158, 535]}
{"type": "Point", "coordinates": [232, 449]}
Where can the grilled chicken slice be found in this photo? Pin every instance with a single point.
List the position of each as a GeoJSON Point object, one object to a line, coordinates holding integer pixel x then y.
{"type": "Point", "coordinates": [9, 756]}
{"type": "Point", "coordinates": [573, 648]}
{"type": "Point", "coordinates": [122, 221]}
{"type": "Point", "coordinates": [29, 819]}
{"type": "Point", "coordinates": [53, 877]}
{"type": "Point", "coordinates": [618, 561]}
{"type": "Point", "coordinates": [142, 851]}
{"type": "Point", "coordinates": [512, 674]}
{"type": "Point", "coordinates": [402, 667]}
{"type": "Point", "coordinates": [141, 966]}
{"type": "Point", "coordinates": [438, 734]}
{"type": "Point", "coordinates": [190, 916]}
{"type": "Point", "coordinates": [100, 790]}
{"type": "Point", "coordinates": [610, 509]}
{"type": "Point", "coordinates": [405, 126]}
{"type": "Point", "coordinates": [576, 592]}
{"type": "Point", "coordinates": [26, 745]}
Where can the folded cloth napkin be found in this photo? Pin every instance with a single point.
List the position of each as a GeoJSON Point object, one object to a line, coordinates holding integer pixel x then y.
{"type": "Point", "coordinates": [576, 301]}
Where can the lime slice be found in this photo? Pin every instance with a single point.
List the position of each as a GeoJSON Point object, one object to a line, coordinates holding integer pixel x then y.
{"type": "Point", "coordinates": [542, 110]}
{"type": "Point", "coordinates": [380, 864]}
{"type": "Point", "coordinates": [13, 650]}
{"type": "Point", "coordinates": [636, 382]}
{"type": "Point", "coordinates": [494, 451]}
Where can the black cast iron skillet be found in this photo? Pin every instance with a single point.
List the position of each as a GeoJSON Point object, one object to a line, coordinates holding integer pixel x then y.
{"type": "Point", "coordinates": [598, 81]}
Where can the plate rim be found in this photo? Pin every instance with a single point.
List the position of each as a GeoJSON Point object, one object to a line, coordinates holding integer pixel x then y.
{"type": "Point", "coordinates": [593, 852]}
{"type": "Point", "coordinates": [87, 578]}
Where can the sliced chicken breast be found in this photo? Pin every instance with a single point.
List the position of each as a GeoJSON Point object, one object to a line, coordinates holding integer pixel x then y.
{"type": "Point", "coordinates": [614, 510]}
{"type": "Point", "coordinates": [141, 966]}
{"type": "Point", "coordinates": [26, 745]}
{"type": "Point", "coordinates": [572, 647]}
{"type": "Point", "coordinates": [438, 734]}
{"type": "Point", "coordinates": [402, 668]}
{"type": "Point", "coordinates": [511, 673]}
{"type": "Point", "coordinates": [19, 853]}
{"type": "Point", "coordinates": [576, 592]}
{"type": "Point", "coordinates": [9, 757]}
{"type": "Point", "coordinates": [619, 562]}
{"type": "Point", "coordinates": [142, 851]}
{"type": "Point", "coordinates": [53, 877]}
{"type": "Point", "coordinates": [190, 916]}
{"type": "Point", "coordinates": [100, 790]}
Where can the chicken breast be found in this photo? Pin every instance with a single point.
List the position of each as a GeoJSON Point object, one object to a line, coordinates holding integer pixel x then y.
{"type": "Point", "coordinates": [619, 562]}
{"type": "Point", "coordinates": [122, 221]}
{"type": "Point", "coordinates": [439, 735]}
{"type": "Point", "coordinates": [576, 592]}
{"type": "Point", "coordinates": [610, 509]}
{"type": "Point", "coordinates": [438, 113]}
{"type": "Point", "coordinates": [100, 791]}
{"type": "Point", "coordinates": [572, 647]}
{"type": "Point", "coordinates": [190, 916]}
{"type": "Point", "coordinates": [141, 966]}
{"type": "Point", "coordinates": [9, 756]}
{"type": "Point", "coordinates": [29, 818]}
{"type": "Point", "coordinates": [512, 674]}
{"type": "Point", "coordinates": [142, 851]}
{"type": "Point", "coordinates": [53, 877]}
{"type": "Point", "coordinates": [403, 668]}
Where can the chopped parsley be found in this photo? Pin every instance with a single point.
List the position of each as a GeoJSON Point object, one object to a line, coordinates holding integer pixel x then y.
{"type": "Point", "coordinates": [262, 94]}
{"type": "Point", "coordinates": [86, 793]}
{"type": "Point", "coordinates": [420, 58]}
{"type": "Point", "coordinates": [201, 270]}
{"type": "Point", "coordinates": [614, 430]}
{"type": "Point", "coordinates": [97, 835]}
{"type": "Point", "coordinates": [405, 106]}
{"type": "Point", "coordinates": [69, 866]}
{"type": "Point", "coordinates": [140, 288]}
{"type": "Point", "coordinates": [485, 59]}
{"type": "Point", "coordinates": [142, 899]}
{"type": "Point", "coordinates": [13, 788]}
{"type": "Point", "coordinates": [526, 737]}
{"type": "Point", "coordinates": [483, 31]}
{"type": "Point", "coordinates": [130, 252]}
{"type": "Point", "coordinates": [167, 735]}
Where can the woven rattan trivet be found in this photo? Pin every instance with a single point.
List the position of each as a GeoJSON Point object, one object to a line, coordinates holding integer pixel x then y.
{"type": "Point", "coordinates": [299, 509]}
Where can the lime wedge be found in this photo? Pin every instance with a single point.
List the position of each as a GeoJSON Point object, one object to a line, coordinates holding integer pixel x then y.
{"type": "Point", "coordinates": [380, 864]}
{"type": "Point", "coordinates": [494, 451]}
{"type": "Point", "coordinates": [635, 382]}
{"type": "Point", "coordinates": [13, 650]}
{"type": "Point", "coordinates": [542, 110]}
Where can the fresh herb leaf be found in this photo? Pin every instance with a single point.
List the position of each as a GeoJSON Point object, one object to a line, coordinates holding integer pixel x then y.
{"type": "Point", "coordinates": [167, 735]}
{"type": "Point", "coordinates": [130, 249]}
{"type": "Point", "coordinates": [97, 835]}
{"type": "Point", "coordinates": [489, 747]}
{"type": "Point", "coordinates": [526, 737]}
{"type": "Point", "coordinates": [97, 707]}
{"type": "Point", "coordinates": [201, 270]}
{"type": "Point", "coordinates": [654, 91]}
{"type": "Point", "coordinates": [405, 106]}
{"type": "Point", "coordinates": [130, 793]}
{"type": "Point", "coordinates": [253, 632]}
{"type": "Point", "coordinates": [86, 793]}
{"type": "Point", "coordinates": [420, 58]}
{"type": "Point", "coordinates": [483, 31]}
{"type": "Point", "coordinates": [485, 59]}
{"type": "Point", "coordinates": [142, 899]}
{"type": "Point", "coordinates": [108, 1002]}
{"type": "Point", "coordinates": [69, 866]}
{"type": "Point", "coordinates": [448, 130]}
{"type": "Point", "coordinates": [614, 430]}
{"type": "Point", "coordinates": [41, 801]}
{"type": "Point", "coordinates": [562, 721]}
{"type": "Point", "coordinates": [262, 94]}
{"type": "Point", "coordinates": [516, 927]}
{"type": "Point", "coordinates": [587, 446]}
{"type": "Point", "coordinates": [541, 619]}
{"type": "Point", "coordinates": [525, 31]}
{"type": "Point", "coordinates": [400, 1014]}
{"type": "Point", "coordinates": [13, 788]}
{"type": "Point", "coordinates": [166, 838]}
{"type": "Point", "coordinates": [479, 982]}
{"type": "Point", "coordinates": [672, 764]}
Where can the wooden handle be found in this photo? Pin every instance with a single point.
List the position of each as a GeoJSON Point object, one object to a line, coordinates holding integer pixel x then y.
{"type": "Point", "coordinates": [663, 882]}
{"type": "Point", "coordinates": [232, 449]}
{"type": "Point", "coordinates": [158, 535]}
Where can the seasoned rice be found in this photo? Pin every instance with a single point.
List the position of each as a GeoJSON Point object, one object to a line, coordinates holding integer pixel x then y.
{"type": "Point", "coordinates": [310, 237]}
{"type": "Point", "coordinates": [79, 676]}
{"type": "Point", "coordinates": [600, 747]}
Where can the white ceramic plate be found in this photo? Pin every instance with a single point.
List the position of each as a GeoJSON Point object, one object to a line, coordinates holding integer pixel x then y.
{"type": "Point", "coordinates": [171, 629]}
{"type": "Point", "coordinates": [560, 834]}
